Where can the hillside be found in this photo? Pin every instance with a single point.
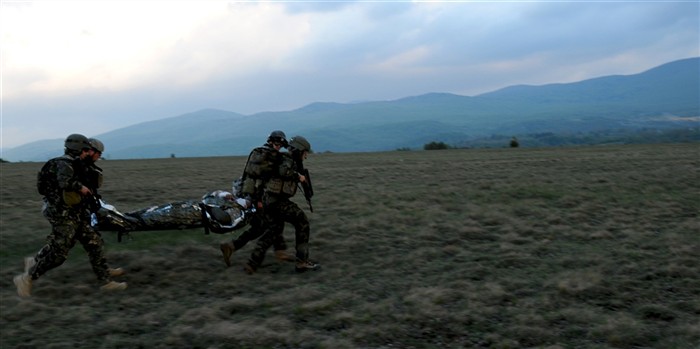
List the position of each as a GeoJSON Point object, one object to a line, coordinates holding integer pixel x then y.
{"type": "Point", "coordinates": [665, 97]}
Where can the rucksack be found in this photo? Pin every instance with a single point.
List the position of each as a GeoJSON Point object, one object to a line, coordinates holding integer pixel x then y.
{"type": "Point", "coordinates": [259, 167]}
{"type": "Point", "coordinates": [261, 162]}
{"type": "Point", "coordinates": [46, 178]}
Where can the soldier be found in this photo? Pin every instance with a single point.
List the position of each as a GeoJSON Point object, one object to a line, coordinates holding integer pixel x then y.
{"type": "Point", "coordinates": [93, 173]}
{"type": "Point", "coordinates": [258, 169]}
{"type": "Point", "coordinates": [278, 208]}
{"type": "Point", "coordinates": [61, 181]}
{"type": "Point", "coordinates": [93, 181]}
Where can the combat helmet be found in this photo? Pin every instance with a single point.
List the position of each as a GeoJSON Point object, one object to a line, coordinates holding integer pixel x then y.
{"type": "Point", "coordinates": [75, 143]}
{"type": "Point", "coordinates": [277, 136]}
{"type": "Point", "coordinates": [96, 145]}
{"type": "Point", "coordinates": [300, 143]}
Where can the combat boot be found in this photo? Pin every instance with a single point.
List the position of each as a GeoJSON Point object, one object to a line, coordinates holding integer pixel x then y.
{"type": "Point", "coordinates": [303, 266]}
{"type": "Point", "coordinates": [24, 285]}
{"type": "Point", "coordinates": [113, 286]}
{"type": "Point", "coordinates": [29, 262]}
{"type": "Point", "coordinates": [227, 249]}
{"type": "Point", "coordinates": [283, 256]}
{"type": "Point", "coordinates": [114, 272]}
{"type": "Point", "coordinates": [249, 269]}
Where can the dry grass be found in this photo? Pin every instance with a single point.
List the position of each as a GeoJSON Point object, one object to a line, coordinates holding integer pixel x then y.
{"type": "Point", "coordinates": [551, 248]}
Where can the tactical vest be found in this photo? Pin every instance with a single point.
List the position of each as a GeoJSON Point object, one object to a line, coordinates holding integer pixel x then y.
{"type": "Point", "coordinates": [94, 178]}
{"type": "Point", "coordinates": [285, 180]}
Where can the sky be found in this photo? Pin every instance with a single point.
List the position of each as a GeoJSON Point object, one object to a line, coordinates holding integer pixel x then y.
{"type": "Point", "coordinates": [94, 66]}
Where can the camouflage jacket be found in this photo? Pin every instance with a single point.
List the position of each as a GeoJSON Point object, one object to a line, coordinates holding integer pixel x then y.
{"type": "Point", "coordinates": [59, 176]}
{"type": "Point", "coordinates": [283, 181]}
{"type": "Point", "coordinates": [93, 177]}
{"type": "Point", "coordinates": [93, 180]}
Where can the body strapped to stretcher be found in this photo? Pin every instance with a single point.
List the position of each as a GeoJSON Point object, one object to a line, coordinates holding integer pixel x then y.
{"type": "Point", "coordinates": [218, 211]}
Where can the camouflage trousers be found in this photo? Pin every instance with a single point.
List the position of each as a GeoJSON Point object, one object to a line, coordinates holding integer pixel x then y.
{"type": "Point", "coordinates": [275, 216]}
{"type": "Point", "coordinates": [67, 228]}
{"type": "Point", "coordinates": [256, 230]}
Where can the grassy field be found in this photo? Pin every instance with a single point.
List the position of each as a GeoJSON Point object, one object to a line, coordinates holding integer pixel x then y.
{"type": "Point", "coordinates": [593, 247]}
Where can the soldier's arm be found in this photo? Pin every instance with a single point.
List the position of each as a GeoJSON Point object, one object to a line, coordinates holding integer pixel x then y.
{"type": "Point", "coordinates": [67, 181]}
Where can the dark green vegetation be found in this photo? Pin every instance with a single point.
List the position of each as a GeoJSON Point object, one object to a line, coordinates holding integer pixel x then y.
{"type": "Point", "coordinates": [435, 146]}
{"type": "Point", "coordinates": [607, 137]}
{"type": "Point", "coordinates": [591, 247]}
{"type": "Point", "coordinates": [662, 98]}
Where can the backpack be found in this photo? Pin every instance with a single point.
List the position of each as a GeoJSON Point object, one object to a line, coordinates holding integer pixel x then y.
{"type": "Point", "coordinates": [261, 163]}
{"type": "Point", "coordinates": [258, 168]}
{"type": "Point", "coordinates": [46, 178]}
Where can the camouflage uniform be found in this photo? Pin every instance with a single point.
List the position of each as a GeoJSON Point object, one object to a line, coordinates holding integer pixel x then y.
{"type": "Point", "coordinates": [93, 180]}
{"type": "Point", "coordinates": [70, 220]}
{"type": "Point", "coordinates": [256, 230]}
{"type": "Point", "coordinates": [261, 162]}
{"type": "Point", "coordinates": [280, 209]}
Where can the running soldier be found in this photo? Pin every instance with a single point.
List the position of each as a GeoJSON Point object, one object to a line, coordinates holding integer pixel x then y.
{"type": "Point", "coordinates": [280, 209]}
{"type": "Point", "coordinates": [61, 181]}
{"type": "Point", "coordinates": [93, 181]}
{"type": "Point", "coordinates": [259, 168]}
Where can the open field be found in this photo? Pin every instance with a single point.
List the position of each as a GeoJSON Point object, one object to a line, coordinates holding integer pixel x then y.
{"type": "Point", "coordinates": [592, 247]}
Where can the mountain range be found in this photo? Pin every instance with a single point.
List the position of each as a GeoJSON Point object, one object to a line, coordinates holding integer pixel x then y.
{"type": "Point", "coordinates": [664, 97]}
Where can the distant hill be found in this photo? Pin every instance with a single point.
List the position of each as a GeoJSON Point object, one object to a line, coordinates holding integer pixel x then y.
{"type": "Point", "coordinates": [665, 97]}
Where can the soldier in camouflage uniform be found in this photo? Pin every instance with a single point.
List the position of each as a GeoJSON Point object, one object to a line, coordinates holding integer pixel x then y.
{"type": "Point", "coordinates": [93, 180]}
{"type": "Point", "coordinates": [280, 209]}
{"type": "Point", "coordinates": [61, 182]}
{"type": "Point", "coordinates": [93, 173]}
{"type": "Point", "coordinates": [258, 169]}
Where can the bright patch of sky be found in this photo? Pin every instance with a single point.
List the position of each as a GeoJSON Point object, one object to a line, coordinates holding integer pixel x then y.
{"type": "Point", "coordinates": [95, 66]}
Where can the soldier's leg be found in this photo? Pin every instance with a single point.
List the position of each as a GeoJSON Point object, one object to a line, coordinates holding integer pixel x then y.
{"type": "Point", "coordinates": [271, 226]}
{"type": "Point", "coordinates": [296, 216]}
{"type": "Point", "coordinates": [254, 232]}
{"type": "Point", "coordinates": [94, 246]}
{"type": "Point", "coordinates": [280, 246]}
{"type": "Point", "coordinates": [58, 244]}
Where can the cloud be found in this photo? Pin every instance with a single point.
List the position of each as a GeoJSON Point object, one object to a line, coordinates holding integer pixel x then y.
{"type": "Point", "coordinates": [123, 62]}
{"type": "Point", "coordinates": [297, 7]}
{"type": "Point", "coordinates": [67, 46]}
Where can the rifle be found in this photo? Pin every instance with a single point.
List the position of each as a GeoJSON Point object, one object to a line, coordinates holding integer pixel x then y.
{"type": "Point", "coordinates": [93, 202]}
{"type": "Point", "coordinates": [307, 188]}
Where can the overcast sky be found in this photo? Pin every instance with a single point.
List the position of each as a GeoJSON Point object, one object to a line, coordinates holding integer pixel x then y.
{"type": "Point", "coordinates": [95, 66]}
